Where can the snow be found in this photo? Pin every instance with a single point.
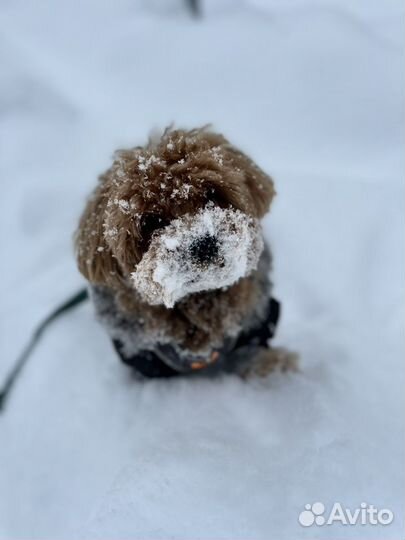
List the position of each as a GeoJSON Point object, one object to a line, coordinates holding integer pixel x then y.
{"type": "Point", "coordinates": [314, 92]}
{"type": "Point", "coordinates": [144, 164]}
{"type": "Point", "coordinates": [168, 271]}
{"type": "Point", "coordinates": [123, 205]}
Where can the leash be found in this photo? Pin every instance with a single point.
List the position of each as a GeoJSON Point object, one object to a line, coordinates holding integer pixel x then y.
{"type": "Point", "coordinates": [147, 362]}
{"type": "Point", "coordinates": [16, 371]}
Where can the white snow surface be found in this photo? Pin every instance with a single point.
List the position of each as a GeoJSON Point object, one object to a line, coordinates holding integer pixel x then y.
{"type": "Point", "coordinates": [314, 91]}
{"type": "Point", "coordinates": [167, 273]}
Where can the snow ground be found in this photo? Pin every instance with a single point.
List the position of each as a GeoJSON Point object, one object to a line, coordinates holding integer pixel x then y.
{"type": "Point", "coordinates": [314, 91]}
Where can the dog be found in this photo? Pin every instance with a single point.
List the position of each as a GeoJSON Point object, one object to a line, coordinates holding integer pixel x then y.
{"type": "Point", "coordinates": [172, 247]}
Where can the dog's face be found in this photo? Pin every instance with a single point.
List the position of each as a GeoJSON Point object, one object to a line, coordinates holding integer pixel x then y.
{"type": "Point", "coordinates": [209, 249]}
{"type": "Point", "coordinates": [176, 217]}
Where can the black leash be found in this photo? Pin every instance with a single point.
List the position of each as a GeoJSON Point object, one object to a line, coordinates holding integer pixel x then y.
{"type": "Point", "coordinates": [147, 363]}
{"type": "Point", "coordinates": [12, 377]}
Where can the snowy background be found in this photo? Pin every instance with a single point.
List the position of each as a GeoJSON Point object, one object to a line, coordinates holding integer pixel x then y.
{"type": "Point", "coordinates": [314, 91]}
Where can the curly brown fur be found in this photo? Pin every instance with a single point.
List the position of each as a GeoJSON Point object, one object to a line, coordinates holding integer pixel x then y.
{"type": "Point", "coordinates": [111, 241]}
{"type": "Point", "coordinates": [143, 191]}
{"type": "Point", "coordinates": [267, 361]}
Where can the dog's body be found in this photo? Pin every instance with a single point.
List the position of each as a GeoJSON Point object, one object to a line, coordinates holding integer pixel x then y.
{"type": "Point", "coordinates": [172, 247]}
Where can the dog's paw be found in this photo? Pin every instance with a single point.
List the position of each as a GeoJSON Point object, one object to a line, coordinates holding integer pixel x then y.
{"type": "Point", "coordinates": [270, 360]}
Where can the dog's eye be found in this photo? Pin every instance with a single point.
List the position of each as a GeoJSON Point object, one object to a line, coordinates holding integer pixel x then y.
{"type": "Point", "coordinates": [214, 195]}
{"type": "Point", "coordinates": [151, 223]}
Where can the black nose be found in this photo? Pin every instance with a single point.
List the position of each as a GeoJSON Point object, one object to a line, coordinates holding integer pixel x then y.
{"type": "Point", "coordinates": [204, 250]}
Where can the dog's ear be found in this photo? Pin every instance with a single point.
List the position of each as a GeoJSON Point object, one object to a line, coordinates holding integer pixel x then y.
{"type": "Point", "coordinates": [259, 184]}
{"type": "Point", "coordinates": [238, 180]}
{"type": "Point", "coordinates": [94, 256]}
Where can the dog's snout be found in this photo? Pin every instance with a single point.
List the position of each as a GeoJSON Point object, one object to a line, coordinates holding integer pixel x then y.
{"type": "Point", "coordinates": [204, 250]}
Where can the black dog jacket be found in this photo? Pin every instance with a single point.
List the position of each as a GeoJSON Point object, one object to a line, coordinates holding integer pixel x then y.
{"type": "Point", "coordinates": [166, 362]}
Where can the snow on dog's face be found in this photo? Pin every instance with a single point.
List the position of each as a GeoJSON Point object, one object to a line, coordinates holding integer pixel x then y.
{"type": "Point", "coordinates": [177, 216]}
{"type": "Point", "coordinates": [210, 250]}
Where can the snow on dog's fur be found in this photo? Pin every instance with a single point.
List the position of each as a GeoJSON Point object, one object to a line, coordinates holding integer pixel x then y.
{"type": "Point", "coordinates": [209, 250]}
{"type": "Point", "coordinates": [172, 234]}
